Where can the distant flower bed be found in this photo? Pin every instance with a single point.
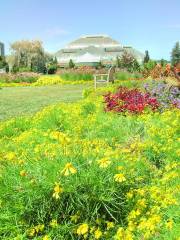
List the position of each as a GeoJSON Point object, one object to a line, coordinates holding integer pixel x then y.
{"type": "Point", "coordinates": [79, 70]}
{"type": "Point", "coordinates": [52, 80]}
{"type": "Point", "coordinates": [166, 95]}
{"type": "Point", "coordinates": [26, 77]}
{"type": "Point", "coordinates": [129, 100]}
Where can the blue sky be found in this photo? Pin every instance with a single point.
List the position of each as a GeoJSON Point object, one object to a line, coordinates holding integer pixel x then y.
{"type": "Point", "coordinates": [144, 24]}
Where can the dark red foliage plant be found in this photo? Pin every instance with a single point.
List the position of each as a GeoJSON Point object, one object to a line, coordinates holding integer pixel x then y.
{"type": "Point", "coordinates": [129, 100]}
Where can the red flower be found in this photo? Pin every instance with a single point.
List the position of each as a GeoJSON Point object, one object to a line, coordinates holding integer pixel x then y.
{"type": "Point", "coordinates": [131, 100]}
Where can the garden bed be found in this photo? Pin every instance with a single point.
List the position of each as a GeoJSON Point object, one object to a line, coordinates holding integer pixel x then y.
{"type": "Point", "coordinates": [75, 171]}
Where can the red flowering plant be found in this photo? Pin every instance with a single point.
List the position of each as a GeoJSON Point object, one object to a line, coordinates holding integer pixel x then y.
{"type": "Point", "coordinates": [129, 100]}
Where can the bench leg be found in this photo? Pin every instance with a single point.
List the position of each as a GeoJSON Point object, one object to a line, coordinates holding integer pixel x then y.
{"type": "Point", "coordinates": [95, 83]}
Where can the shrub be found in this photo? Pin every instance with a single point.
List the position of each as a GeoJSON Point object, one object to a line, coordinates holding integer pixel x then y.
{"type": "Point", "coordinates": [124, 76]}
{"type": "Point", "coordinates": [167, 96]}
{"type": "Point", "coordinates": [24, 77]}
{"type": "Point", "coordinates": [51, 69]}
{"type": "Point", "coordinates": [24, 69]}
{"type": "Point", "coordinates": [126, 100]}
{"type": "Point", "coordinates": [128, 62]}
{"type": "Point", "coordinates": [48, 80]}
{"type": "Point", "coordinates": [76, 76]}
{"type": "Point", "coordinates": [71, 64]}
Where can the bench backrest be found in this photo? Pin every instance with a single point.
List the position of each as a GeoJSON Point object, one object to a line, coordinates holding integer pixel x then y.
{"type": "Point", "coordinates": [111, 72]}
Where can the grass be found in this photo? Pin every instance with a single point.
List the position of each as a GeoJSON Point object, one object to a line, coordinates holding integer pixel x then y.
{"type": "Point", "coordinates": [16, 101]}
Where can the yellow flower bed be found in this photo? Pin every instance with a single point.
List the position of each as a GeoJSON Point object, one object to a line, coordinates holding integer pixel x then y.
{"type": "Point", "coordinates": [52, 80]}
{"type": "Point", "coordinates": [73, 171]}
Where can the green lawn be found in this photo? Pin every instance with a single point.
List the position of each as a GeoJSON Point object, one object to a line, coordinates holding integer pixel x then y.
{"type": "Point", "coordinates": [16, 101]}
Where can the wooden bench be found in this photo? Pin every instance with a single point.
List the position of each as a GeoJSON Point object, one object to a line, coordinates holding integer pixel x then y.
{"type": "Point", "coordinates": [104, 78]}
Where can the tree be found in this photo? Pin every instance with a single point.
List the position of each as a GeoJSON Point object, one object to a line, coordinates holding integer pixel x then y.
{"type": "Point", "coordinates": [129, 62]}
{"type": "Point", "coordinates": [146, 57]}
{"type": "Point", "coordinates": [163, 62]}
{"type": "Point", "coordinates": [118, 62]}
{"type": "Point", "coordinates": [52, 65]}
{"type": "Point", "coordinates": [3, 63]}
{"type": "Point", "coordinates": [55, 61]}
{"type": "Point", "coordinates": [29, 54]}
{"type": "Point", "coordinates": [71, 64]}
{"type": "Point", "coordinates": [175, 55]}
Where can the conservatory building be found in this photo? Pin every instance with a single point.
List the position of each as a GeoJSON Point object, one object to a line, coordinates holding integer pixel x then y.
{"type": "Point", "coordinates": [1, 49]}
{"type": "Point", "coordinates": [92, 49]}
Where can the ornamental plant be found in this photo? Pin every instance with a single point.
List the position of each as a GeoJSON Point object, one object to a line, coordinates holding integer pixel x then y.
{"type": "Point", "coordinates": [129, 100]}
{"type": "Point", "coordinates": [167, 96]}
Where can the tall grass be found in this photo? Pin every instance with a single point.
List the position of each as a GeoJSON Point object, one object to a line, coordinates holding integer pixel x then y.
{"type": "Point", "coordinates": [76, 76]}
{"type": "Point", "coordinates": [124, 76]}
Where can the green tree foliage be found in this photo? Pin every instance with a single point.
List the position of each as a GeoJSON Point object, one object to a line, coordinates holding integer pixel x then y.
{"type": "Point", "coordinates": [118, 62]}
{"type": "Point", "coordinates": [55, 61]}
{"type": "Point", "coordinates": [3, 63]}
{"type": "Point", "coordinates": [71, 64]}
{"type": "Point", "coordinates": [129, 62]}
{"type": "Point", "coordinates": [52, 66]}
{"type": "Point", "coordinates": [146, 57]}
{"type": "Point", "coordinates": [163, 62]}
{"type": "Point", "coordinates": [29, 55]}
{"type": "Point", "coordinates": [150, 65]}
{"type": "Point", "coordinates": [175, 55]}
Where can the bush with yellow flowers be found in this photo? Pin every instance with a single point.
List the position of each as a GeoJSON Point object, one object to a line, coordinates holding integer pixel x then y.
{"type": "Point", "coordinates": [56, 79]}
{"type": "Point", "coordinates": [73, 171]}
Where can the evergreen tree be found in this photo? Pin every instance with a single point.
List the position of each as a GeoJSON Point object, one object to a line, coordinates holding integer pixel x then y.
{"type": "Point", "coordinates": [55, 61]}
{"type": "Point", "coordinates": [175, 55]}
{"type": "Point", "coordinates": [163, 62]}
{"type": "Point", "coordinates": [146, 57]}
{"type": "Point", "coordinates": [71, 64]}
{"type": "Point", "coordinates": [118, 62]}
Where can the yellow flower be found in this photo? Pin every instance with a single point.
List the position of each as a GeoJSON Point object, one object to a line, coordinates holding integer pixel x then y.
{"type": "Point", "coordinates": [21, 162]}
{"type": "Point", "coordinates": [39, 228]}
{"type": "Point", "coordinates": [10, 156]}
{"type": "Point", "coordinates": [53, 223]}
{"type": "Point", "coordinates": [31, 232]}
{"type": "Point", "coordinates": [123, 234]}
{"type": "Point", "coordinates": [23, 173]}
{"type": "Point", "coordinates": [110, 225]}
{"type": "Point", "coordinates": [134, 213]}
{"type": "Point", "coordinates": [57, 191]}
{"type": "Point", "coordinates": [119, 177]}
{"type": "Point", "coordinates": [83, 229]}
{"type": "Point", "coordinates": [104, 163]}
{"type": "Point", "coordinates": [46, 237]}
{"type": "Point", "coordinates": [97, 234]}
{"type": "Point", "coordinates": [68, 169]}
{"type": "Point", "coordinates": [120, 168]}
{"type": "Point", "coordinates": [129, 195]}
{"type": "Point", "coordinates": [141, 203]}
{"type": "Point", "coordinates": [169, 224]}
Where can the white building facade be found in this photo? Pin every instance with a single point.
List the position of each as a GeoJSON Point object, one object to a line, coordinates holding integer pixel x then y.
{"type": "Point", "coordinates": [92, 49]}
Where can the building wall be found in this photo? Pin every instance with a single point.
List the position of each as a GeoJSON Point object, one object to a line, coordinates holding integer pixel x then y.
{"type": "Point", "coordinates": [102, 47]}
{"type": "Point", "coordinates": [2, 51]}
